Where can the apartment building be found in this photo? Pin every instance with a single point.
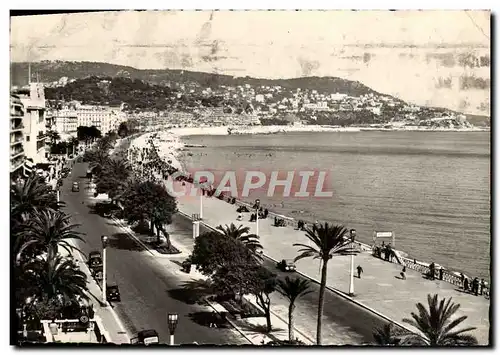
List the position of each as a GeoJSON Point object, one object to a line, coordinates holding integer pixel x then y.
{"type": "Point", "coordinates": [66, 121]}
{"type": "Point", "coordinates": [32, 98]}
{"type": "Point", "coordinates": [16, 133]}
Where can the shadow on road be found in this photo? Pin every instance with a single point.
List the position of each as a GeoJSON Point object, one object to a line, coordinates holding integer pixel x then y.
{"type": "Point", "coordinates": [186, 295]}
{"type": "Point", "coordinates": [255, 329]}
{"type": "Point", "coordinates": [205, 318]}
{"type": "Point", "coordinates": [123, 241]}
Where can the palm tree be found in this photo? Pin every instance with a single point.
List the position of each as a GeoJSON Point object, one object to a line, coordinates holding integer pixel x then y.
{"type": "Point", "coordinates": [251, 241]}
{"type": "Point", "coordinates": [327, 241]}
{"type": "Point", "coordinates": [46, 231]}
{"type": "Point", "coordinates": [54, 276]}
{"type": "Point", "coordinates": [437, 326]}
{"type": "Point", "coordinates": [292, 289]}
{"type": "Point", "coordinates": [32, 195]}
{"type": "Point", "coordinates": [387, 336]}
{"type": "Point", "coordinates": [54, 136]}
{"type": "Point", "coordinates": [98, 159]}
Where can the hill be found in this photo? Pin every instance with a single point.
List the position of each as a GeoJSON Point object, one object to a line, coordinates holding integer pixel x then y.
{"type": "Point", "coordinates": [50, 71]}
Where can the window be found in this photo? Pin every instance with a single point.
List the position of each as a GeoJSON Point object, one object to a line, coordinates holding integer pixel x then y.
{"type": "Point", "coordinates": [27, 138]}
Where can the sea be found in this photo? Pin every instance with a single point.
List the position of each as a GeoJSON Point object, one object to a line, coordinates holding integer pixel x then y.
{"type": "Point", "coordinates": [432, 189]}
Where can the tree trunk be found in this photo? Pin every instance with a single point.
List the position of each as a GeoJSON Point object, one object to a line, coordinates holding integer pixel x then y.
{"type": "Point", "coordinates": [268, 319]}
{"type": "Point", "coordinates": [266, 306]}
{"type": "Point", "coordinates": [321, 302]}
{"type": "Point", "coordinates": [290, 322]}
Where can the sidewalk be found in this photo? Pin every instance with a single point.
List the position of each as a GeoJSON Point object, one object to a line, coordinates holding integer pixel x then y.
{"type": "Point", "coordinates": [379, 288]}
{"type": "Point", "coordinates": [115, 330]}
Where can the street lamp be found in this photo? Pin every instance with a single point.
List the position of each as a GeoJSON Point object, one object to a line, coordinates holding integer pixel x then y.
{"type": "Point", "coordinates": [257, 206]}
{"type": "Point", "coordinates": [172, 324]}
{"type": "Point", "coordinates": [352, 234]}
{"type": "Point", "coordinates": [104, 240]}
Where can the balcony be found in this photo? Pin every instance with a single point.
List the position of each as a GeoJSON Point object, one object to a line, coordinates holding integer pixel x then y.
{"type": "Point", "coordinates": [16, 127]}
{"type": "Point", "coordinates": [16, 163]}
{"type": "Point", "coordinates": [16, 153]}
{"type": "Point", "coordinates": [16, 141]}
{"type": "Point", "coordinates": [41, 136]}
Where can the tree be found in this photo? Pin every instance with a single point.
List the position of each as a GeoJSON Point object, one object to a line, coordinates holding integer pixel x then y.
{"type": "Point", "coordinates": [30, 196]}
{"type": "Point", "coordinates": [54, 136]}
{"type": "Point", "coordinates": [292, 289]}
{"type": "Point", "coordinates": [387, 336]}
{"type": "Point", "coordinates": [262, 284]}
{"type": "Point", "coordinates": [98, 159]}
{"type": "Point", "coordinates": [114, 178]}
{"type": "Point", "coordinates": [123, 130]}
{"type": "Point", "coordinates": [46, 231]}
{"type": "Point", "coordinates": [251, 241]}
{"type": "Point", "coordinates": [54, 276]}
{"type": "Point", "coordinates": [327, 241]}
{"type": "Point", "coordinates": [213, 251]}
{"type": "Point", "coordinates": [150, 201]}
{"type": "Point", "coordinates": [436, 325]}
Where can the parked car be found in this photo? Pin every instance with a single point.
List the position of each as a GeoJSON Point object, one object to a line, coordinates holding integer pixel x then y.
{"type": "Point", "coordinates": [113, 293]}
{"type": "Point", "coordinates": [76, 187]}
{"type": "Point", "coordinates": [146, 337]}
{"type": "Point", "coordinates": [95, 260]}
{"type": "Point", "coordinates": [286, 265]}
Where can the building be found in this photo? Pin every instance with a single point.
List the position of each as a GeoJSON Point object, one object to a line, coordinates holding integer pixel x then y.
{"type": "Point", "coordinates": [105, 118]}
{"type": "Point", "coordinates": [16, 133]}
{"type": "Point", "coordinates": [66, 121]}
{"type": "Point", "coordinates": [34, 125]}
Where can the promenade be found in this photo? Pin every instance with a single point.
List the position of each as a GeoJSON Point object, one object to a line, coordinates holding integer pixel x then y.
{"type": "Point", "coordinates": [379, 288]}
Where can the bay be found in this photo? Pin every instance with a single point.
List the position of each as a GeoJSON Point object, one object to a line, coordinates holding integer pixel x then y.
{"type": "Point", "coordinates": [432, 189]}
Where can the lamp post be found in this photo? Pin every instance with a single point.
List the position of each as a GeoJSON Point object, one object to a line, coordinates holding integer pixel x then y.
{"type": "Point", "coordinates": [104, 240]}
{"type": "Point", "coordinates": [196, 225]}
{"type": "Point", "coordinates": [173, 318]}
{"type": "Point", "coordinates": [352, 233]}
{"type": "Point", "coordinates": [257, 206]}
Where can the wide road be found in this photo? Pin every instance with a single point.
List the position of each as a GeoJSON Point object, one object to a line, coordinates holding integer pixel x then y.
{"type": "Point", "coordinates": [143, 283]}
{"type": "Point", "coordinates": [344, 322]}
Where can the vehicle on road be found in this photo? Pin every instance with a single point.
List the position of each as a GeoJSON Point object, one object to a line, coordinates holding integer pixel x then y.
{"type": "Point", "coordinates": [146, 337]}
{"type": "Point", "coordinates": [286, 265]}
{"type": "Point", "coordinates": [75, 187]}
{"type": "Point", "coordinates": [113, 293]}
{"type": "Point", "coordinates": [95, 260]}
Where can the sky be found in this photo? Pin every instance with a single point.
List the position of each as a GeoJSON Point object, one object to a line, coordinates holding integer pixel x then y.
{"type": "Point", "coordinates": [415, 55]}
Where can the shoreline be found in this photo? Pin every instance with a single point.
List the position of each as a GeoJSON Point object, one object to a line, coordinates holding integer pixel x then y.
{"type": "Point", "coordinates": [244, 130]}
{"type": "Point", "coordinates": [170, 146]}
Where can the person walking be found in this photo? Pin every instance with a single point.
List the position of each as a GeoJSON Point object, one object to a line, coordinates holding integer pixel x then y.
{"type": "Point", "coordinates": [360, 271]}
{"type": "Point", "coordinates": [403, 273]}
{"type": "Point", "coordinates": [483, 285]}
{"type": "Point", "coordinates": [475, 286]}
{"type": "Point", "coordinates": [466, 284]}
{"type": "Point", "coordinates": [213, 319]}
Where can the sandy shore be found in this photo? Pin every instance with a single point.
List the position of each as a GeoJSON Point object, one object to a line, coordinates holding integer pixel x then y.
{"type": "Point", "coordinates": [223, 130]}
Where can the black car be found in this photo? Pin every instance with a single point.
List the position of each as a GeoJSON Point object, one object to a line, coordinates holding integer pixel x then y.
{"type": "Point", "coordinates": [286, 265]}
{"type": "Point", "coordinates": [113, 293]}
{"type": "Point", "coordinates": [95, 260]}
{"type": "Point", "coordinates": [146, 337]}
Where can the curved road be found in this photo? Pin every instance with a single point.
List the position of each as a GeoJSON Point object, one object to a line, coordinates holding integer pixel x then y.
{"type": "Point", "coordinates": [143, 283]}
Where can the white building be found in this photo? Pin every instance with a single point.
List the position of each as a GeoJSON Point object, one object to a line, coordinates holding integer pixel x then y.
{"type": "Point", "coordinates": [259, 98]}
{"type": "Point", "coordinates": [104, 118]}
{"type": "Point", "coordinates": [34, 125]}
{"type": "Point", "coordinates": [66, 121]}
{"type": "Point", "coordinates": [16, 133]}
